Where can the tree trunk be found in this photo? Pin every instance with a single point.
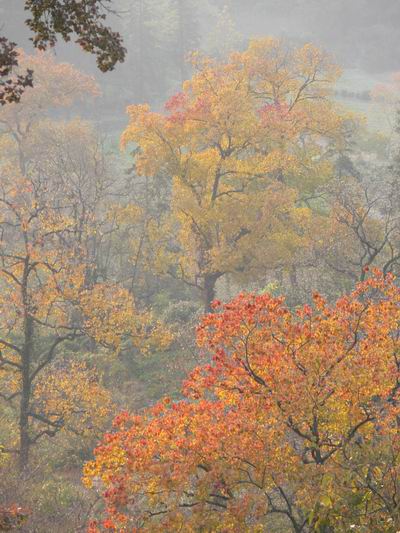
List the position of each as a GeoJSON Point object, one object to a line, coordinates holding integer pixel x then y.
{"type": "Point", "coordinates": [26, 360]}
{"type": "Point", "coordinates": [25, 441]}
{"type": "Point", "coordinates": [208, 291]}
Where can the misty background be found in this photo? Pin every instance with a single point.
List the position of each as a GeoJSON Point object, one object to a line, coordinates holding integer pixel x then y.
{"type": "Point", "coordinates": [363, 37]}
{"type": "Point", "coordinates": [329, 214]}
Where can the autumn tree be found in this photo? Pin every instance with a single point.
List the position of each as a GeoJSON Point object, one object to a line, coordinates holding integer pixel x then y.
{"type": "Point", "coordinates": [293, 424]}
{"type": "Point", "coordinates": [362, 229]}
{"type": "Point", "coordinates": [68, 154]}
{"type": "Point", "coordinates": [243, 142]}
{"type": "Point", "coordinates": [359, 219]}
{"type": "Point", "coordinates": [52, 291]}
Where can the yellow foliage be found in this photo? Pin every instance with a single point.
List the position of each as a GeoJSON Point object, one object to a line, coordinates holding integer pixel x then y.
{"type": "Point", "coordinates": [71, 393]}
{"type": "Point", "coordinates": [243, 142]}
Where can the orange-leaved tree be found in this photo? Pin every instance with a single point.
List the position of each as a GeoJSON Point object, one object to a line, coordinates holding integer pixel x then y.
{"type": "Point", "coordinates": [293, 426]}
{"type": "Point", "coordinates": [244, 142]}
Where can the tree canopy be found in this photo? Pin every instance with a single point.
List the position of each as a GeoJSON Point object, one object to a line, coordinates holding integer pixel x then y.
{"type": "Point", "coordinates": [296, 416]}
{"type": "Point", "coordinates": [245, 142]}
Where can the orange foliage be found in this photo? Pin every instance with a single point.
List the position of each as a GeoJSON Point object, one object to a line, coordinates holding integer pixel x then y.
{"type": "Point", "coordinates": [56, 85]}
{"type": "Point", "coordinates": [295, 418]}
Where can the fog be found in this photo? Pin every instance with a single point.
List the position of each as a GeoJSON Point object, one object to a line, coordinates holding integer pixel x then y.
{"type": "Point", "coordinates": [199, 261]}
{"type": "Point", "coordinates": [361, 35]}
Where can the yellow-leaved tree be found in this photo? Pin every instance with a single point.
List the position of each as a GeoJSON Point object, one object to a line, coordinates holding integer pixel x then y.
{"type": "Point", "coordinates": [245, 143]}
{"type": "Point", "coordinates": [53, 187]}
